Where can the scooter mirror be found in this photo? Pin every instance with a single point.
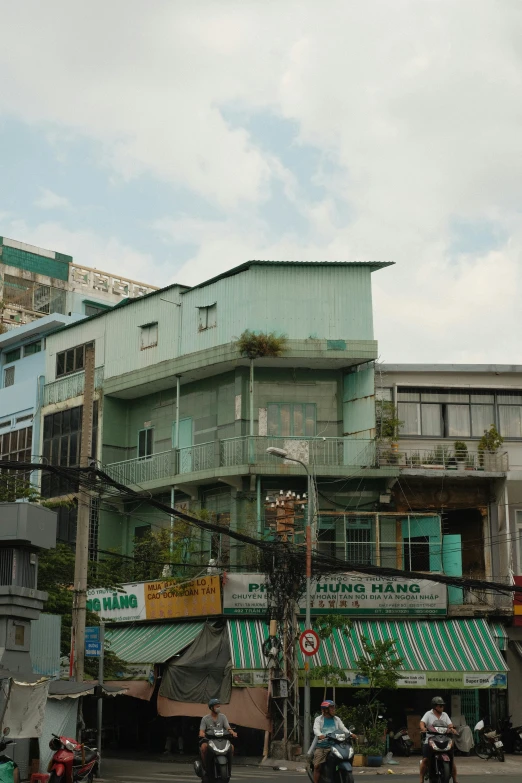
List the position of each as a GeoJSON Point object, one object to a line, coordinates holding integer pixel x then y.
{"type": "Point", "coordinates": [352, 728]}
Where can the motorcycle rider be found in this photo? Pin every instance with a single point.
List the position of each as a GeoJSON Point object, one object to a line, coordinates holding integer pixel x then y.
{"type": "Point", "coordinates": [436, 714]}
{"type": "Point", "coordinates": [214, 720]}
{"type": "Point", "coordinates": [326, 722]}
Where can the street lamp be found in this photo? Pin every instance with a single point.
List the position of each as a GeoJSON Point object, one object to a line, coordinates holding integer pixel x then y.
{"type": "Point", "coordinates": [283, 454]}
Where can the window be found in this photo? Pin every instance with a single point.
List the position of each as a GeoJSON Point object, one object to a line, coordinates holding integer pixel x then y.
{"type": "Point", "coordinates": [297, 419]}
{"type": "Point", "coordinates": [9, 376]}
{"type": "Point", "coordinates": [518, 514]}
{"type": "Point", "coordinates": [510, 414]}
{"type": "Point", "coordinates": [142, 531]}
{"type": "Point", "coordinates": [417, 553]}
{"type": "Point", "coordinates": [15, 446]}
{"type": "Point", "coordinates": [61, 446]}
{"type": "Point", "coordinates": [207, 317]}
{"type": "Point", "coordinates": [145, 442]}
{"type": "Point", "coordinates": [71, 360]}
{"type": "Point", "coordinates": [93, 308]}
{"type": "Point", "coordinates": [445, 413]}
{"type": "Point", "coordinates": [12, 356]}
{"type": "Point", "coordinates": [148, 336]}
{"type": "Point", "coordinates": [32, 348]}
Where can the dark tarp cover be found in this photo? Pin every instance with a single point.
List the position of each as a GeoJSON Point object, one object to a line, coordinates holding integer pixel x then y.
{"type": "Point", "coordinates": [203, 672]}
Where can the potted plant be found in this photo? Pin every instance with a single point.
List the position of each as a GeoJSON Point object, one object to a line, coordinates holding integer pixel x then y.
{"type": "Point", "coordinates": [388, 423]}
{"type": "Point", "coordinates": [489, 444]}
{"type": "Point", "coordinates": [461, 452]}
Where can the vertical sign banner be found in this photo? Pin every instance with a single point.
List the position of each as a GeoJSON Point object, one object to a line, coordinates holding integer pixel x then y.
{"type": "Point", "coordinates": [517, 602]}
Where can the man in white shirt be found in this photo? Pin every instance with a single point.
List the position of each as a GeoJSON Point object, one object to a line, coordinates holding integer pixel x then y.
{"type": "Point", "coordinates": [435, 714]}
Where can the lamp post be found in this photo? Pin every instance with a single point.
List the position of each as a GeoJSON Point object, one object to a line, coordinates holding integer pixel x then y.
{"type": "Point", "coordinates": [282, 454]}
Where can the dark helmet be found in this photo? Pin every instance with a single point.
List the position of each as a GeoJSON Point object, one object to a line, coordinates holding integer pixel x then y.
{"type": "Point", "coordinates": [438, 702]}
{"type": "Point", "coordinates": [325, 705]}
{"type": "Point", "coordinates": [213, 703]}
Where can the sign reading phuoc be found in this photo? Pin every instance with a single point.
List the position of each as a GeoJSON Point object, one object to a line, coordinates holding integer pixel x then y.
{"type": "Point", "coordinates": [160, 600]}
{"type": "Point", "coordinates": [349, 594]}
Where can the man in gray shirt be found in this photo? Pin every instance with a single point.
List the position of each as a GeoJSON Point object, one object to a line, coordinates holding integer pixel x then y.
{"type": "Point", "coordinates": [214, 720]}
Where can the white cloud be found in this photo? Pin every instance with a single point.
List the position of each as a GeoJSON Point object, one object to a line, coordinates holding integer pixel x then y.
{"type": "Point", "coordinates": [50, 200]}
{"type": "Point", "coordinates": [413, 103]}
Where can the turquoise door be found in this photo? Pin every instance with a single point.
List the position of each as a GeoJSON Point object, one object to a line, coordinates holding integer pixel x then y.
{"type": "Point", "coordinates": [422, 544]}
{"type": "Point", "coordinates": [186, 441]}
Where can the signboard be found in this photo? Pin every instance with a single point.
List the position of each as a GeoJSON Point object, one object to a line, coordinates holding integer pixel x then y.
{"type": "Point", "coordinates": [517, 602]}
{"type": "Point", "coordinates": [350, 594]}
{"type": "Point", "coordinates": [309, 642]}
{"type": "Point", "coordinates": [157, 600]}
{"type": "Point", "coordinates": [92, 641]}
{"type": "Point", "coordinates": [429, 680]}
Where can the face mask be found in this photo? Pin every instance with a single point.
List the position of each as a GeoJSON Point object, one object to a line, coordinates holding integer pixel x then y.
{"type": "Point", "coordinates": [216, 710]}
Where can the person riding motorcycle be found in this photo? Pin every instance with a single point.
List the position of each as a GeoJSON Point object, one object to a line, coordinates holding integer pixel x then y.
{"type": "Point", "coordinates": [214, 720]}
{"type": "Point", "coordinates": [435, 714]}
{"type": "Point", "coordinates": [326, 722]}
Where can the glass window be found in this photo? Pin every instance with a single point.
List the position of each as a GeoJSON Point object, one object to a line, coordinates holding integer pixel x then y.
{"type": "Point", "coordinates": [510, 398]}
{"type": "Point", "coordinates": [482, 397]}
{"type": "Point", "coordinates": [145, 442]}
{"type": "Point", "coordinates": [9, 376]}
{"type": "Point", "coordinates": [431, 420]}
{"type": "Point", "coordinates": [510, 420]}
{"type": "Point", "coordinates": [482, 417]}
{"type": "Point", "coordinates": [12, 356]}
{"type": "Point", "coordinates": [409, 414]}
{"type": "Point", "coordinates": [32, 348]}
{"type": "Point", "coordinates": [405, 395]}
{"type": "Point", "coordinates": [384, 395]}
{"type": "Point", "coordinates": [458, 424]}
{"type": "Point", "coordinates": [71, 360]}
{"type": "Point", "coordinates": [288, 420]}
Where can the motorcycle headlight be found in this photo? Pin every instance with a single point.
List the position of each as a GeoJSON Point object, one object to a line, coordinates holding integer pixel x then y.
{"type": "Point", "coordinates": [432, 744]}
{"type": "Point", "coordinates": [337, 753]}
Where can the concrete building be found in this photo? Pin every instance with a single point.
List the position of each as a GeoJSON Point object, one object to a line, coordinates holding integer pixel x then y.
{"type": "Point", "coordinates": [35, 282]}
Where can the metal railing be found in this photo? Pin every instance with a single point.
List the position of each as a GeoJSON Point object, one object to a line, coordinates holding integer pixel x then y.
{"type": "Point", "coordinates": [142, 469]}
{"type": "Point", "coordinates": [69, 386]}
{"type": "Point", "coordinates": [440, 456]}
{"type": "Point", "coordinates": [195, 458]}
{"type": "Point", "coordinates": [337, 452]}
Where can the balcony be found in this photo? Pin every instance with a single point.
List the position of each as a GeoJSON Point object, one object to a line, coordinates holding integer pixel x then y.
{"type": "Point", "coordinates": [441, 457]}
{"type": "Point", "coordinates": [70, 386]}
{"type": "Point", "coordinates": [330, 455]}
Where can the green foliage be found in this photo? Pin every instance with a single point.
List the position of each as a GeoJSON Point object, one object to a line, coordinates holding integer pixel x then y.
{"type": "Point", "coordinates": [324, 625]}
{"type": "Point", "coordinates": [330, 675]}
{"type": "Point", "coordinates": [257, 344]}
{"type": "Point", "coordinates": [461, 450]}
{"type": "Point", "coordinates": [490, 441]}
{"type": "Point", "coordinates": [14, 486]}
{"type": "Point", "coordinates": [387, 420]}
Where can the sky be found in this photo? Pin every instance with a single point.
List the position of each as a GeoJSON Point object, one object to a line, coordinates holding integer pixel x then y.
{"type": "Point", "coordinates": [170, 141]}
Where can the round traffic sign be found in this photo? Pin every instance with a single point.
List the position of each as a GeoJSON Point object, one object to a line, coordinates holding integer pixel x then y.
{"type": "Point", "coordinates": [309, 642]}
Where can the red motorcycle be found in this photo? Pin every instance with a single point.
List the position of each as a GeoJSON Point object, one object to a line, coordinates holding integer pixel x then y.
{"type": "Point", "coordinates": [72, 762]}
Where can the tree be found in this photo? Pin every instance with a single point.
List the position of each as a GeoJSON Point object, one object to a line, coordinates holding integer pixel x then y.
{"type": "Point", "coordinates": [379, 667]}
{"type": "Point", "coordinates": [331, 677]}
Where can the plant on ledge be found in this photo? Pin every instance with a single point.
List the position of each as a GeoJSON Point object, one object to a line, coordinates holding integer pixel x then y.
{"type": "Point", "coordinates": [491, 441]}
{"type": "Point", "coordinates": [254, 345]}
{"type": "Point", "coordinates": [387, 420]}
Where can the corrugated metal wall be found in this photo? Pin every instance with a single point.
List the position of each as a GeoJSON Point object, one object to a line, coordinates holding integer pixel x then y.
{"type": "Point", "coordinates": [45, 645]}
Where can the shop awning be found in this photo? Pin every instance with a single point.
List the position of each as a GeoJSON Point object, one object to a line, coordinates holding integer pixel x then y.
{"type": "Point", "coordinates": [151, 643]}
{"type": "Point", "coordinates": [501, 635]}
{"type": "Point", "coordinates": [448, 646]}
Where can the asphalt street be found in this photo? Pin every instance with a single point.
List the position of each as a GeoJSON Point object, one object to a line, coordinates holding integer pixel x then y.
{"type": "Point", "coordinates": [133, 771]}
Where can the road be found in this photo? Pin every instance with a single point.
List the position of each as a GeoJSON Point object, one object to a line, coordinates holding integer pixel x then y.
{"type": "Point", "coordinates": [133, 771]}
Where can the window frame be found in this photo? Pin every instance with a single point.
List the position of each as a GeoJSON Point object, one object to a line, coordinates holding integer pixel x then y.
{"type": "Point", "coordinates": [207, 317]}
{"type": "Point", "coordinates": [10, 356]}
{"type": "Point", "coordinates": [71, 357]}
{"type": "Point", "coordinates": [30, 345]}
{"type": "Point", "coordinates": [9, 375]}
{"type": "Point", "coordinates": [146, 443]}
{"type": "Point", "coordinates": [292, 420]}
{"type": "Point", "coordinates": [150, 330]}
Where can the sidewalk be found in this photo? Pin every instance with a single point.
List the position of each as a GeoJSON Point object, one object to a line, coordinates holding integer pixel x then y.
{"type": "Point", "coordinates": [466, 765]}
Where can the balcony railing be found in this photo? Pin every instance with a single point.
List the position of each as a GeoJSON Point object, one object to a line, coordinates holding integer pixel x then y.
{"type": "Point", "coordinates": [440, 457]}
{"type": "Point", "coordinates": [69, 386]}
{"type": "Point", "coordinates": [138, 471]}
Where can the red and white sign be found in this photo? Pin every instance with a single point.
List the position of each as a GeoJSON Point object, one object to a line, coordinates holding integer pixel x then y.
{"type": "Point", "coordinates": [309, 642]}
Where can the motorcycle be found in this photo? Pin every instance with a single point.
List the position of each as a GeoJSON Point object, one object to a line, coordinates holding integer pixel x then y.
{"type": "Point", "coordinates": [8, 768]}
{"type": "Point", "coordinates": [400, 742]}
{"type": "Point", "coordinates": [338, 765]}
{"type": "Point", "coordinates": [490, 745]}
{"type": "Point", "coordinates": [439, 760]}
{"type": "Point", "coordinates": [510, 735]}
{"type": "Point", "coordinates": [72, 762]}
{"type": "Point", "coordinates": [218, 757]}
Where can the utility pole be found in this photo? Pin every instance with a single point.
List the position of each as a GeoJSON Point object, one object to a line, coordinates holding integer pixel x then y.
{"type": "Point", "coordinates": [100, 694]}
{"type": "Point", "coordinates": [82, 528]}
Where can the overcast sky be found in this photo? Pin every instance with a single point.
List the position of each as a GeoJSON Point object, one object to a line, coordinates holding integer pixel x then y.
{"type": "Point", "coordinates": [172, 140]}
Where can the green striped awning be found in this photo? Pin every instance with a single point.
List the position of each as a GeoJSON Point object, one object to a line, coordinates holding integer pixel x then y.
{"type": "Point", "coordinates": [424, 645]}
{"type": "Point", "coordinates": [151, 643]}
{"type": "Point", "coordinates": [500, 634]}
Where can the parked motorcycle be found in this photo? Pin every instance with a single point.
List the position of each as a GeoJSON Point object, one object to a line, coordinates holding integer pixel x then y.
{"type": "Point", "coordinates": [72, 762]}
{"type": "Point", "coordinates": [489, 745]}
{"type": "Point", "coordinates": [441, 744]}
{"type": "Point", "coordinates": [338, 765]}
{"type": "Point", "coordinates": [400, 742]}
{"type": "Point", "coordinates": [8, 769]}
{"type": "Point", "coordinates": [218, 758]}
{"type": "Point", "coordinates": [510, 735]}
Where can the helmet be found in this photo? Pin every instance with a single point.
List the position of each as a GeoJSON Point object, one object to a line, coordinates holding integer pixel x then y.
{"type": "Point", "coordinates": [438, 702]}
{"type": "Point", "coordinates": [326, 704]}
{"type": "Point", "coordinates": [213, 703]}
